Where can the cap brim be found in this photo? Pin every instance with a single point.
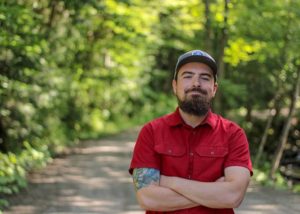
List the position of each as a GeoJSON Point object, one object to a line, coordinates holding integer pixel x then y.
{"type": "Point", "coordinates": [200, 59]}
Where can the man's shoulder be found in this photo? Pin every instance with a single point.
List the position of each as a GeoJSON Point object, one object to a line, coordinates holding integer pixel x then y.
{"type": "Point", "coordinates": [162, 121]}
{"type": "Point", "coordinates": [226, 122]}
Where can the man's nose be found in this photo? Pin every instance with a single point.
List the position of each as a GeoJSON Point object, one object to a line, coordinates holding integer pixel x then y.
{"type": "Point", "coordinates": [196, 81]}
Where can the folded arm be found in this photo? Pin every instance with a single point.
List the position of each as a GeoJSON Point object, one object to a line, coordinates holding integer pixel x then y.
{"type": "Point", "coordinates": [226, 194]}
{"type": "Point", "coordinates": [152, 196]}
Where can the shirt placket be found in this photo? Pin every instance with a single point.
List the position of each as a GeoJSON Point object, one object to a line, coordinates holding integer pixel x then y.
{"type": "Point", "coordinates": [191, 153]}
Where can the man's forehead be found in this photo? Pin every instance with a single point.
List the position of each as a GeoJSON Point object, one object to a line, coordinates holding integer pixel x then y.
{"type": "Point", "coordinates": [195, 67]}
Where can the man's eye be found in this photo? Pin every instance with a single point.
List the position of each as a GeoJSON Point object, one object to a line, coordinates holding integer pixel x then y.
{"type": "Point", "coordinates": [187, 77]}
{"type": "Point", "coordinates": [205, 78]}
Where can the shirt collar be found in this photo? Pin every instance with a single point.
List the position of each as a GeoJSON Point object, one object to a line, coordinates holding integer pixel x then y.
{"type": "Point", "coordinates": [210, 119]}
{"type": "Point", "coordinates": [175, 119]}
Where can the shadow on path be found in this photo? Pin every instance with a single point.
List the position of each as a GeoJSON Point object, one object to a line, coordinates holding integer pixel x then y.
{"type": "Point", "coordinates": [94, 179]}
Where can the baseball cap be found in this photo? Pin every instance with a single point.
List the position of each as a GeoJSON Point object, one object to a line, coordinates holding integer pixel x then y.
{"type": "Point", "coordinates": [196, 56]}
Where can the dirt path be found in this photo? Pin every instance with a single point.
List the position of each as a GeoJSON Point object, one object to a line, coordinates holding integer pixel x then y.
{"type": "Point", "coordinates": [94, 179]}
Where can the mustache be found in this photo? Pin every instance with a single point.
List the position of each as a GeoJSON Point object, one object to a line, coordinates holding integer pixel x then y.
{"type": "Point", "coordinates": [202, 91]}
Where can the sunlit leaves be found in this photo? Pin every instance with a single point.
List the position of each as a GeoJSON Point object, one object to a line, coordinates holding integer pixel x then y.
{"type": "Point", "coordinates": [239, 51]}
{"type": "Point", "coordinates": [73, 69]}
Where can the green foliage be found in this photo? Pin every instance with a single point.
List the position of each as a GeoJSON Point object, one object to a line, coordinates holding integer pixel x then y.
{"type": "Point", "coordinates": [235, 93]}
{"type": "Point", "coordinates": [13, 168]}
{"type": "Point", "coordinates": [296, 188]}
{"type": "Point", "coordinates": [79, 69]}
{"type": "Point", "coordinates": [155, 105]}
{"type": "Point", "coordinates": [239, 50]}
{"type": "Point", "coordinates": [262, 176]}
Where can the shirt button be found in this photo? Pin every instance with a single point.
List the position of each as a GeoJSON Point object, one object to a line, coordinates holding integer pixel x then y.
{"type": "Point", "coordinates": [170, 151]}
{"type": "Point", "coordinates": [191, 153]}
{"type": "Point", "coordinates": [212, 153]}
{"type": "Point", "coordinates": [194, 132]}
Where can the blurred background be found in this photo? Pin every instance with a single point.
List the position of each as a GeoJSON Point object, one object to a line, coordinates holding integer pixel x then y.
{"type": "Point", "coordinates": [73, 70]}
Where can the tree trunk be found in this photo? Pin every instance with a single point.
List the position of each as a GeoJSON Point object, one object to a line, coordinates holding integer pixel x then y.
{"type": "Point", "coordinates": [264, 137]}
{"type": "Point", "coordinates": [286, 128]}
{"type": "Point", "coordinates": [223, 41]}
{"type": "Point", "coordinates": [53, 10]}
{"type": "Point", "coordinates": [3, 136]}
{"type": "Point", "coordinates": [249, 112]}
{"type": "Point", "coordinates": [52, 5]}
{"type": "Point", "coordinates": [220, 57]}
{"type": "Point", "coordinates": [208, 31]}
{"type": "Point", "coordinates": [273, 112]}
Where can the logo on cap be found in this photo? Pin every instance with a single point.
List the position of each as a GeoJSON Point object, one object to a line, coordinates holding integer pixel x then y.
{"type": "Point", "coordinates": [198, 53]}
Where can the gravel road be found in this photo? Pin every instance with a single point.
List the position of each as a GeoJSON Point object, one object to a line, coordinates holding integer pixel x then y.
{"type": "Point", "coordinates": [93, 178]}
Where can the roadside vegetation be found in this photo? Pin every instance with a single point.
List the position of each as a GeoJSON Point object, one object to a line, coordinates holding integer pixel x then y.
{"type": "Point", "coordinates": [72, 70]}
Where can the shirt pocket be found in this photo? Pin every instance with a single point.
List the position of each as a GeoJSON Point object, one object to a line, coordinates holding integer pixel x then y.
{"type": "Point", "coordinates": [209, 162]}
{"type": "Point", "coordinates": [171, 159]}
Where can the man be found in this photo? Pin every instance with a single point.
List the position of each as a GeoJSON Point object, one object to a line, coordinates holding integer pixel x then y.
{"type": "Point", "coordinates": [192, 160]}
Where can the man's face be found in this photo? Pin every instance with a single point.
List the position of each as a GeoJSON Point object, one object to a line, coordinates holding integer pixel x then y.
{"type": "Point", "coordinates": [195, 88]}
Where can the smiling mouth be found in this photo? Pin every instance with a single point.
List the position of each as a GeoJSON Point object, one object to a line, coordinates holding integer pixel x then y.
{"type": "Point", "coordinates": [194, 92]}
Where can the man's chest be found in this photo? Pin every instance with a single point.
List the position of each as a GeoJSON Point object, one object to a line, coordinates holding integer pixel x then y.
{"type": "Point", "coordinates": [192, 154]}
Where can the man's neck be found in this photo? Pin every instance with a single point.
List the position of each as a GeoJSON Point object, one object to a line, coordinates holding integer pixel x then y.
{"type": "Point", "coordinates": [191, 120]}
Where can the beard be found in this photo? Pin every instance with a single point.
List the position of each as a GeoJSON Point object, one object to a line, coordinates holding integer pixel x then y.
{"type": "Point", "coordinates": [197, 104]}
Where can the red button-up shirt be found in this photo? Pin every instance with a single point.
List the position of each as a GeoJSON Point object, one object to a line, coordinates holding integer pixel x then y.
{"type": "Point", "coordinates": [201, 153]}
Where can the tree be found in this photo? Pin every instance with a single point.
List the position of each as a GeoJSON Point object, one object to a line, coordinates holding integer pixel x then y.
{"type": "Point", "coordinates": [286, 127]}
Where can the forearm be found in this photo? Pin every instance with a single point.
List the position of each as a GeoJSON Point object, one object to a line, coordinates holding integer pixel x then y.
{"type": "Point", "coordinates": [152, 196]}
{"type": "Point", "coordinates": [157, 198]}
{"type": "Point", "coordinates": [214, 195]}
{"type": "Point", "coordinates": [227, 194]}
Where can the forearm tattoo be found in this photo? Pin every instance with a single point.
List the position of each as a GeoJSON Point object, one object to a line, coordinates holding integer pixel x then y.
{"type": "Point", "coordinates": [143, 177]}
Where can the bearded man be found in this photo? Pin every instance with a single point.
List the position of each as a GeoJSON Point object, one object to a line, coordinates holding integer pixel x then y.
{"type": "Point", "coordinates": [192, 160]}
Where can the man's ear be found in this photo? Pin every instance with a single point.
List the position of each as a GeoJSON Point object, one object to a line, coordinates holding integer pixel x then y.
{"type": "Point", "coordinates": [215, 89]}
{"type": "Point", "coordinates": [174, 86]}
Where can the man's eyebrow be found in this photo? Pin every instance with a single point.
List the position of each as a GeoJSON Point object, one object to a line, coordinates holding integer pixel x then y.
{"type": "Point", "coordinates": [187, 72]}
{"type": "Point", "coordinates": [206, 74]}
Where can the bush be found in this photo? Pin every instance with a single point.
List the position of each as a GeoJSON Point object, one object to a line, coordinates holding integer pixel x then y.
{"type": "Point", "coordinates": [13, 169]}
